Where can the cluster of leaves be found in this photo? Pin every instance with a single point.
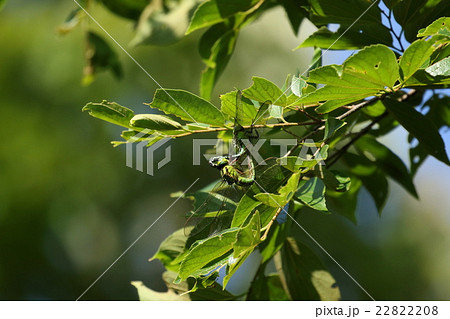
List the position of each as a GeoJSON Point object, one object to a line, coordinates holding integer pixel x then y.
{"type": "Point", "coordinates": [342, 108]}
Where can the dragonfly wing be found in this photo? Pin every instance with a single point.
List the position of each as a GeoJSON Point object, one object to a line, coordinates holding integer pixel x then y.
{"type": "Point", "coordinates": [207, 207]}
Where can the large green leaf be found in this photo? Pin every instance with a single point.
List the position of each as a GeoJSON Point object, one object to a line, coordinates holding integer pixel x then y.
{"type": "Point", "coordinates": [420, 127]}
{"type": "Point", "coordinates": [207, 251]}
{"type": "Point", "coordinates": [303, 273]}
{"type": "Point", "coordinates": [312, 193]}
{"type": "Point", "coordinates": [247, 109]}
{"type": "Point", "coordinates": [414, 57]}
{"type": "Point", "coordinates": [367, 73]}
{"type": "Point", "coordinates": [215, 11]}
{"type": "Point", "coordinates": [110, 112]}
{"type": "Point", "coordinates": [263, 90]}
{"type": "Point", "coordinates": [386, 160]}
{"type": "Point", "coordinates": [187, 106]}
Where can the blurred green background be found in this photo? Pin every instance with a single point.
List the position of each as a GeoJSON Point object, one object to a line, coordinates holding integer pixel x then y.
{"type": "Point", "coordinates": [69, 206]}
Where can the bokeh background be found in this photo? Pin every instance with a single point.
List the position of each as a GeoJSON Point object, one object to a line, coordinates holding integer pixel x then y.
{"type": "Point", "coordinates": [69, 206]}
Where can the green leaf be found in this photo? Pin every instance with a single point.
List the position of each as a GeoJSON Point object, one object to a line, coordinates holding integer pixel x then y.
{"type": "Point", "coordinates": [344, 12]}
{"type": "Point", "coordinates": [246, 240]}
{"type": "Point", "coordinates": [350, 40]}
{"type": "Point", "coordinates": [378, 187]}
{"type": "Point", "coordinates": [266, 287]}
{"type": "Point", "coordinates": [297, 85]}
{"type": "Point", "coordinates": [420, 127]}
{"type": "Point", "coordinates": [414, 57]}
{"type": "Point", "coordinates": [216, 11]}
{"type": "Point", "coordinates": [441, 68]}
{"type": "Point", "coordinates": [110, 112]}
{"type": "Point", "coordinates": [263, 90]}
{"type": "Point", "coordinates": [439, 27]}
{"type": "Point", "coordinates": [369, 72]}
{"type": "Point", "coordinates": [187, 106]}
{"type": "Point", "coordinates": [100, 56]}
{"type": "Point", "coordinates": [71, 22]}
{"type": "Point", "coordinates": [295, 12]}
{"type": "Point", "coordinates": [147, 294]}
{"type": "Point", "coordinates": [386, 160]}
{"type": "Point", "coordinates": [170, 249]}
{"type": "Point", "coordinates": [285, 193]}
{"type": "Point", "coordinates": [195, 289]}
{"type": "Point", "coordinates": [154, 122]}
{"type": "Point", "coordinates": [413, 15]}
{"type": "Point", "coordinates": [312, 193]}
{"type": "Point", "coordinates": [247, 109]}
{"type": "Point", "coordinates": [304, 275]}
{"type": "Point", "coordinates": [331, 126]}
{"type": "Point", "coordinates": [244, 208]}
{"type": "Point", "coordinates": [276, 237]}
{"type": "Point", "coordinates": [130, 9]}
{"type": "Point", "coordinates": [219, 55]}
{"type": "Point", "coordinates": [207, 251]}
{"type": "Point", "coordinates": [344, 203]}
{"type": "Point", "coordinates": [422, 78]}
{"type": "Point", "coordinates": [162, 24]}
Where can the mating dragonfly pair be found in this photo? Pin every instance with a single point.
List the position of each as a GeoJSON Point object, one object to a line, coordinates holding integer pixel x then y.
{"type": "Point", "coordinates": [236, 169]}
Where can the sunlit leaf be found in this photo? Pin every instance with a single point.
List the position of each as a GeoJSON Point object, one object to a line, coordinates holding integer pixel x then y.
{"type": "Point", "coordinates": [147, 294]}
{"type": "Point", "coordinates": [312, 193]}
{"type": "Point", "coordinates": [414, 57]}
{"type": "Point", "coordinates": [110, 112]}
{"type": "Point", "coordinates": [215, 11]}
{"type": "Point", "coordinates": [263, 90]}
{"type": "Point", "coordinates": [154, 122]}
{"type": "Point", "coordinates": [439, 27]}
{"type": "Point", "coordinates": [369, 72]}
{"type": "Point", "coordinates": [187, 106]}
{"type": "Point", "coordinates": [441, 68]}
{"type": "Point", "coordinates": [207, 251]}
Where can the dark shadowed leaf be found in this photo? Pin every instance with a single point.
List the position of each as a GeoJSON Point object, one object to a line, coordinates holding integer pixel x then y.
{"type": "Point", "coordinates": [303, 273]}
{"type": "Point", "coordinates": [387, 161]}
{"type": "Point", "coordinates": [420, 127]}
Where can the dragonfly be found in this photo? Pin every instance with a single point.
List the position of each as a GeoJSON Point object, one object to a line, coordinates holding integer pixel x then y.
{"type": "Point", "coordinates": [230, 165]}
{"type": "Point", "coordinates": [237, 170]}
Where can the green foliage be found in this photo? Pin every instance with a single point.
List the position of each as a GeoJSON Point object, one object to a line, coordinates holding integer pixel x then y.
{"type": "Point", "coordinates": [343, 109]}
